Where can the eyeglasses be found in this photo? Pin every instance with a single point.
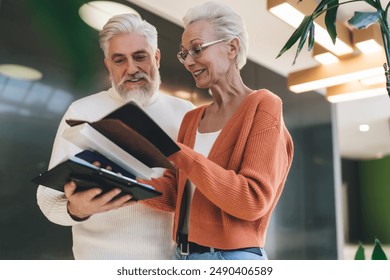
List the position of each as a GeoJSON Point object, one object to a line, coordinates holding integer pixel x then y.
{"type": "Point", "coordinates": [195, 51]}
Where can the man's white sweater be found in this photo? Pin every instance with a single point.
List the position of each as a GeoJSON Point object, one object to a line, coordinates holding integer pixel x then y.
{"type": "Point", "coordinates": [133, 232]}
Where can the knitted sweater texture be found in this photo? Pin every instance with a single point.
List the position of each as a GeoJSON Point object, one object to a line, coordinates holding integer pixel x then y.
{"type": "Point", "coordinates": [239, 184]}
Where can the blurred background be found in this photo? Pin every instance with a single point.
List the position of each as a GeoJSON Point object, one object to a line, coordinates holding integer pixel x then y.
{"type": "Point", "coordinates": [334, 197]}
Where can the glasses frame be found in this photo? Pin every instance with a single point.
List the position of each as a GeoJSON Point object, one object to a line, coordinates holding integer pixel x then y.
{"type": "Point", "coordinates": [182, 55]}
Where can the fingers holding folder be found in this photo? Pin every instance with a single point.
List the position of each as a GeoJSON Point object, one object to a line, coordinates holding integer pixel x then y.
{"type": "Point", "coordinates": [83, 204]}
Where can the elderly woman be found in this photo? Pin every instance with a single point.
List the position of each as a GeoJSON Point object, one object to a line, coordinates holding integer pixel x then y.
{"type": "Point", "coordinates": [235, 152]}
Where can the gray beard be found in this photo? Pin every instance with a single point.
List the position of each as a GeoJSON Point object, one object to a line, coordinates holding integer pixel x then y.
{"type": "Point", "coordinates": [144, 95]}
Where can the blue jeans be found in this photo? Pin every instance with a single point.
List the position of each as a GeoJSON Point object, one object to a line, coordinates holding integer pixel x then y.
{"type": "Point", "coordinates": [222, 255]}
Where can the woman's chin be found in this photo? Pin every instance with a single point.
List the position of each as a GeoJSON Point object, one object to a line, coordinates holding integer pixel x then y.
{"type": "Point", "coordinates": [200, 84]}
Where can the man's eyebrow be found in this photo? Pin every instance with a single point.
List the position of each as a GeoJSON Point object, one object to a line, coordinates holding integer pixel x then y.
{"type": "Point", "coordinates": [140, 52]}
{"type": "Point", "coordinates": [115, 55]}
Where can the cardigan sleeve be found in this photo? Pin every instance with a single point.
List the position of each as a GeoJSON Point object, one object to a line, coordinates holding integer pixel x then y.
{"type": "Point", "coordinates": [251, 191]}
{"type": "Point", "coordinates": [168, 187]}
{"type": "Point", "coordinates": [168, 183]}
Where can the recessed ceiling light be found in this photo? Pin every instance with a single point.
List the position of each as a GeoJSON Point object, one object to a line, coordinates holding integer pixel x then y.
{"type": "Point", "coordinates": [364, 127]}
{"type": "Point", "coordinates": [97, 13]}
{"type": "Point", "coordinates": [381, 79]}
{"type": "Point", "coordinates": [326, 58]}
{"type": "Point", "coordinates": [20, 72]}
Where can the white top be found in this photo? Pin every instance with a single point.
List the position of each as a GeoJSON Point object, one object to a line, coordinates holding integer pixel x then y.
{"type": "Point", "coordinates": [133, 232]}
{"type": "Point", "coordinates": [203, 145]}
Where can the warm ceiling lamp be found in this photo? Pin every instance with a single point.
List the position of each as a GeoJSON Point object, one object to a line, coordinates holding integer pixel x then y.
{"type": "Point", "coordinates": [369, 39]}
{"type": "Point", "coordinates": [323, 56]}
{"type": "Point", "coordinates": [20, 72]}
{"type": "Point", "coordinates": [292, 12]}
{"type": "Point", "coordinates": [97, 13]}
{"type": "Point", "coordinates": [380, 79]}
{"type": "Point", "coordinates": [353, 91]}
{"type": "Point", "coordinates": [347, 70]}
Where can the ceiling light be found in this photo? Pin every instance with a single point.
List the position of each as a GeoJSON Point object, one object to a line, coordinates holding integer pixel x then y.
{"type": "Point", "coordinates": [323, 56]}
{"type": "Point", "coordinates": [380, 79]}
{"type": "Point", "coordinates": [364, 127]}
{"type": "Point", "coordinates": [293, 12]}
{"type": "Point", "coordinates": [97, 13]}
{"type": "Point", "coordinates": [352, 91]}
{"type": "Point", "coordinates": [347, 70]}
{"type": "Point", "coordinates": [368, 40]}
{"type": "Point", "coordinates": [287, 13]}
{"type": "Point", "coordinates": [369, 46]}
{"type": "Point", "coordinates": [20, 72]}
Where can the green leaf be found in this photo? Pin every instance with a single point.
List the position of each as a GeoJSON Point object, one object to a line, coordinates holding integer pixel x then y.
{"type": "Point", "coordinates": [364, 19]}
{"type": "Point", "coordinates": [330, 19]}
{"type": "Point", "coordinates": [294, 37]}
{"type": "Point", "coordinates": [360, 253]}
{"type": "Point", "coordinates": [300, 33]}
{"type": "Point", "coordinates": [311, 37]}
{"type": "Point", "coordinates": [307, 31]}
{"type": "Point", "coordinates": [321, 6]}
{"type": "Point", "coordinates": [378, 253]}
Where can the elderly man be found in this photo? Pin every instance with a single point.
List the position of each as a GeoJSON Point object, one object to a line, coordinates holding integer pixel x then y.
{"type": "Point", "coordinates": [103, 227]}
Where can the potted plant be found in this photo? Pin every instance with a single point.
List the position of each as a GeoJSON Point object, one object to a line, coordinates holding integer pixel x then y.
{"type": "Point", "coordinates": [377, 252]}
{"type": "Point", "coordinates": [360, 20]}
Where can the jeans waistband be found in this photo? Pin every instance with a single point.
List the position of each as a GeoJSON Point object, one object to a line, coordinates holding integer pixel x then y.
{"type": "Point", "coordinates": [187, 247]}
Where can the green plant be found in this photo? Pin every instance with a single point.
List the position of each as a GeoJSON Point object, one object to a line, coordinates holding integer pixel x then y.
{"type": "Point", "coordinates": [360, 20]}
{"type": "Point", "coordinates": [377, 252]}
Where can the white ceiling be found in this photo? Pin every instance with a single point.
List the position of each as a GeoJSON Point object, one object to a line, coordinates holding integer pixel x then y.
{"type": "Point", "coordinates": [267, 35]}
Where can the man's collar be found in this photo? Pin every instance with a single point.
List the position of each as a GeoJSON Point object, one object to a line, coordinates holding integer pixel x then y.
{"type": "Point", "coordinates": [152, 99]}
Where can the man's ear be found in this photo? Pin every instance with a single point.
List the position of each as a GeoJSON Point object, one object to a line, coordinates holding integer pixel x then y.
{"type": "Point", "coordinates": [157, 56]}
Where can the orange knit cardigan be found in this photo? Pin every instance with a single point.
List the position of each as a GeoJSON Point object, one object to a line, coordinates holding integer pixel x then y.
{"type": "Point", "coordinates": [239, 184]}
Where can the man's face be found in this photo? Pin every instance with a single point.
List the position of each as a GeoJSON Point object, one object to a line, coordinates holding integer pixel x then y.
{"type": "Point", "coordinates": [133, 67]}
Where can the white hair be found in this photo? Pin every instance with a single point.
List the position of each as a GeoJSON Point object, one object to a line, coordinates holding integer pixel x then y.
{"type": "Point", "coordinates": [127, 23]}
{"type": "Point", "coordinates": [226, 22]}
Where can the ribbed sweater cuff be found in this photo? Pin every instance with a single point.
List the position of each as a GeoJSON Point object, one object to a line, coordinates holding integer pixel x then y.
{"type": "Point", "coordinates": [60, 215]}
{"type": "Point", "coordinates": [183, 157]}
{"type": "Point", "coordinates": [54, 206]}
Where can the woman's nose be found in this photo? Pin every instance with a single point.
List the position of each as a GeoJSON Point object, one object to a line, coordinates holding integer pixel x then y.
{"type": "Point", "coordinates": [188, 61]}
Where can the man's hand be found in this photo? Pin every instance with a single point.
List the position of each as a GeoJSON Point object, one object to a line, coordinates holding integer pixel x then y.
{"type": "Point", "coordinates": [83, 204]}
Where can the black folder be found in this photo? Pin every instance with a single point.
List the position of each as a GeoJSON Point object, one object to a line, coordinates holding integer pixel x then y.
{"type": "Point", "coordinates": [86, 176]}
{"type": "Point", "coordinates": [131, 129]}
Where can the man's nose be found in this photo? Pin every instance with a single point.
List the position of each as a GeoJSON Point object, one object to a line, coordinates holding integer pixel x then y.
{"type": "Point", "coordinates": [132, 67]}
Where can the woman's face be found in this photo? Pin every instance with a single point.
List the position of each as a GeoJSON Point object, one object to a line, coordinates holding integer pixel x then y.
{"type": "Point", "coordinates": [211, 66]}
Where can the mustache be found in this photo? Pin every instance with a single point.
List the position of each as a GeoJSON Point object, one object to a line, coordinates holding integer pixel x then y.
{"type": "Point", "coordinates": [135, 76]}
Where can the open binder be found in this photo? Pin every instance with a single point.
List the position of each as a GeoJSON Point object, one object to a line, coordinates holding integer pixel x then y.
{"type": "Point", "coordinates": [128, 137]}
